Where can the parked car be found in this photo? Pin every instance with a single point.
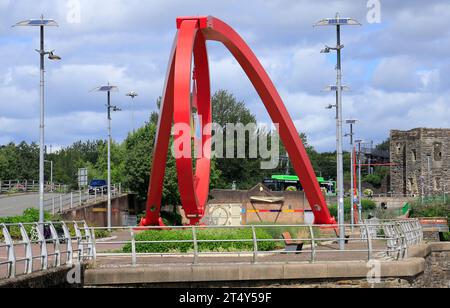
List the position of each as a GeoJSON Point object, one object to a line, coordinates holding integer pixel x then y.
{"type": "Point", "coordinates": [98, 186]}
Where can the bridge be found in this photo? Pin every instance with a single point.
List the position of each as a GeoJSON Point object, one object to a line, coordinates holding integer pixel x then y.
{"type": "Point", "coordinates": [15, 202]}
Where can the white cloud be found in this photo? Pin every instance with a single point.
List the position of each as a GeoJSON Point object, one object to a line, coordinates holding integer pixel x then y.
{"type": "Point", "coordinates": [396, 70]}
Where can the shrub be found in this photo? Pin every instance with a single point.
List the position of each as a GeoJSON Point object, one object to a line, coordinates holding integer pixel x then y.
{"type": "Point", "coordinates": [432, 210]}
{"type": "Point", "coordinates": [435, 209]}
{"type": "Point", "coordinates": [202, 235]}
{"type": "Point", "coordinates": [367, 205]}
{"type": "Point", "coordinates": [29, 216]}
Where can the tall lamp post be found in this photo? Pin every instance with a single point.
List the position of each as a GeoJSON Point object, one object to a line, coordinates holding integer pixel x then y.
{"type": "Point", "coordinates": [337, 22]}
{"type": "Point", "coordinates": [133, 95]}
{"type": "Point", "coordinates": [352, 172]}
{"type": "Point", "coordinates": [41, 23]}
{"type": "Point", "coordinates": [108, 89]}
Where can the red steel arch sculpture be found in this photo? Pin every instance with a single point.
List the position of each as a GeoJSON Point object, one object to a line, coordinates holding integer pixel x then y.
{"type": "Point", "coordinates": [176, 107]}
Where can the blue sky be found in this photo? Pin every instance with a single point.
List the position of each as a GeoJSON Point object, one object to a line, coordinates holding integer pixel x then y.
{"type": "Point", "coordinates": [396, 69]}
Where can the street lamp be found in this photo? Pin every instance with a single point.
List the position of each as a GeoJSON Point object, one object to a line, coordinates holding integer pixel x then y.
{"type": "Point", "coordinates": [108, 89]}
{"type": "Point", "coordinates": [338, 22]}
{"type": "Point", "coordinates": [41, 23]}
{"type": "Point", "coordinates": [352, 172]}
{"type": "Point", "coordinates": [133, 95]}
{"type": "Point", "coordinates": [359, 142]}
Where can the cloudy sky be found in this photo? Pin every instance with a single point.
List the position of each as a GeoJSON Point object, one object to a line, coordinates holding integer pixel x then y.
{"type": "Point", "coordinates": [396, 68]}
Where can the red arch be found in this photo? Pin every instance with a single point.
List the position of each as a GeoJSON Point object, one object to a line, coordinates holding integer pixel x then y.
{"type": "Point", "coordinates": [177, 107]}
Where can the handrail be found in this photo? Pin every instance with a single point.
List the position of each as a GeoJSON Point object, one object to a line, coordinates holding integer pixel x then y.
{"type": "Point", "coordinates": [63, 202]}
{"type": "Point", "coordinates": [55, 244]}
{"type": "Point", "coordinates": [51, 242]}
{"type": "Point", "coordinates": [23, 186]}
{"type": "Point", "coordinates": [396, 235]}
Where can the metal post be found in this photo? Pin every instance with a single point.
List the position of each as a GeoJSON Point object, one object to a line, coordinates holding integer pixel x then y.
{"type": "Point", "coordinates": [255, 245]}
{"type": "Point", "coordinates": [352, 173]}
{"type": "Point", "coordinates": [360, 193]}
{"type": "Point", "coordinates": [109, 161]}
{"type": "Point", "coordinates": [133, 248]}
{"type": "Point", "coordinates": [194, 239]}
{"type": "Point", "coordinates": [340, 159]}
{"type": "Point", "coordinates": [42, 126]}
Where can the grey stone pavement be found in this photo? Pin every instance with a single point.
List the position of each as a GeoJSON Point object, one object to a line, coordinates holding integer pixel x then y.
{"type": "Point", "coordinates": [16, 204]}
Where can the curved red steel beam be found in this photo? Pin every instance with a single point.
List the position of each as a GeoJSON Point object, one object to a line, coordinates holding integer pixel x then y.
{"type": "Point", "coordinates": [193, 31]}
{"type": "Point", "coordinates": [193, 188]}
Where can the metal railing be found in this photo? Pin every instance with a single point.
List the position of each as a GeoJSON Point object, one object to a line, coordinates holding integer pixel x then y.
{"type": "Point", "coordinates": [27, 248]}
{"type": "Point", "coordinates": [23, 186]}
{"type": "Point", "coordinates": [367, 241]}
{"type": "Point", "coordinates": [400, 234]}
{"type": "Point", "coordinates": [31, 247]}
{"type": "Point", "coordinates": [60, 203]}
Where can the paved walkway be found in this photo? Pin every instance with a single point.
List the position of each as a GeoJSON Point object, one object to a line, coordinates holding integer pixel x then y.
{"type": "Point", "coordinates": [16, 204]}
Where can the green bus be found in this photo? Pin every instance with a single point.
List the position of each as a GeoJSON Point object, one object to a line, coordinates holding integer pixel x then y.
{"type": "Point", "coordinates": [292, 183]}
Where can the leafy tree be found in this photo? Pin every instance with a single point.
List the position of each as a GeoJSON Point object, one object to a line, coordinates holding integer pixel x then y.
{"type": "Point", "coordinates": [245, 172]}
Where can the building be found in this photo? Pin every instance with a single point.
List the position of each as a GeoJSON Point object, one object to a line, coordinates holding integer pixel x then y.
{"type": "Point", "coordinates": [421, 161]}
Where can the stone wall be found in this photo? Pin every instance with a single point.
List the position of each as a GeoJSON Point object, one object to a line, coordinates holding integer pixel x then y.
{"type": "Point", "coordinates": [437, 273]}
{"type": "Point", "coordinates": [413, 152]}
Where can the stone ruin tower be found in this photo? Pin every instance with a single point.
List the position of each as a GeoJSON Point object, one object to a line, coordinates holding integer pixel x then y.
{"type": "Point", "coordinates": [421, 159]}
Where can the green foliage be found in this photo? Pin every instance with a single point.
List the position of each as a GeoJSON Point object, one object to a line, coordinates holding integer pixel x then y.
{"type": "Point", "coordinates": [376, 179]}
{"type": "Point", "coordinates": [202, 235]}
{"type": "Point", "coordinates": [29, 216]}
{"type": "Point", "coordinates": [19, 161]}
{"type": "Point", "coordinates": [431, 210]}
{"type": "Point", "coordinates": [434, 209]}
{"type": "Point", "coordinates": [367, 205]}
{"type": "Point", "coordinates": [245, 172]}
{"type": "Point", "coordinates": [99, 234]}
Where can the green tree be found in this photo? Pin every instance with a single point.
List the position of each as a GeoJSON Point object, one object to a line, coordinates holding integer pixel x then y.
{"type": "Point", "coordinates": [245, 172]}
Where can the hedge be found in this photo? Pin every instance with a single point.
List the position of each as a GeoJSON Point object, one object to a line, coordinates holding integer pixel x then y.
{"type": "Point", "coordinates": [202, 234]}
{"type": "Point", "coordinates": [367, 205]}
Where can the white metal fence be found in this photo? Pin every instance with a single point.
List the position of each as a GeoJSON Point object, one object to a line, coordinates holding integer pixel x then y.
{"type": "Point", "coordinates": [25, 248]}
{"type": "Point", "coordinates": [60, 203]}
{"type": "Point", "coordinates": [22, 186]}
{"type": "Point", "coordinates": [361, 243]}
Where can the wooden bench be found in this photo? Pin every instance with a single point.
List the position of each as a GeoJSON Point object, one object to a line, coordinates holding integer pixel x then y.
{"type": "Point", "coordinates": [292, 245]}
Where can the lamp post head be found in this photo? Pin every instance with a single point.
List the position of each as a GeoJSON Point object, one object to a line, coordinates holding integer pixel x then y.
{"type": "Point", "coordinates": [107, 88]}
{"type": "Point", "coordinates": [337, 21]}
{"type": "Point", "coordinates": [37, 23]}
{"type": "Point", "coordinates": [53, 57]}
{"type": "Point", "coordinates": [351, 121]}
{"type": "Point", "coordinates": [132, 94]}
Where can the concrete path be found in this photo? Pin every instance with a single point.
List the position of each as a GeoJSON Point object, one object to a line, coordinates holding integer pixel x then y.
{"type": "Point", "coordinates": [16, 204]}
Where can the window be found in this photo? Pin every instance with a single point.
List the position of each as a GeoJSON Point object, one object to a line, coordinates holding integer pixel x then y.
{"type": "Point", "coordinates": [399, 148]}
{"type": "Point", "coordinates": [437, 149]}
